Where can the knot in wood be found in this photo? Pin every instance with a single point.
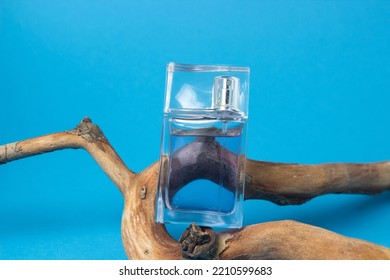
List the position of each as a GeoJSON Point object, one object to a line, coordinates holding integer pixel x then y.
{"type": "Point", "coordinates": [143, 192]}
{"type": "Point", "coordinates": [89, 131]}
{"type": "Point", "coordinates": [198, 243]}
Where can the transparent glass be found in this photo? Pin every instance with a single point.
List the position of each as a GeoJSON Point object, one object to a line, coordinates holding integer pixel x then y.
{"type": "Point", "coordinates": [203, 146]}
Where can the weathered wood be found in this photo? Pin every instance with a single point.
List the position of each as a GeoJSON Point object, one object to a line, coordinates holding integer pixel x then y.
{"type": "Point", "coordinates": [286, 240]}
{"type": "Point", "coordinates": [277, 182]}
{"type": "Point", "coordinates": [86, 136]}
{"type": "Point", "coordinates": [287, 184]}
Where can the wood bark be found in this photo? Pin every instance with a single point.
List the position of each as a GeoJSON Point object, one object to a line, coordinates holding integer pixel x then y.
{"type": "Point", "coordinates": [280, 183]}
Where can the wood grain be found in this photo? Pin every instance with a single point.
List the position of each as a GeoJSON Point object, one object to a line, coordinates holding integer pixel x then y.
{"type": "Point", "coordinates": [280, 183]}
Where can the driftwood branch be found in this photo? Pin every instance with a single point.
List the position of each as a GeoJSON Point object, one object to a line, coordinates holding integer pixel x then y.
{"type": "Point", "coordinates": [86, 136]}
{"type": "Point", "coordinates": [287, 184]}
{"type": "Point", "coordinates": [277, 182]}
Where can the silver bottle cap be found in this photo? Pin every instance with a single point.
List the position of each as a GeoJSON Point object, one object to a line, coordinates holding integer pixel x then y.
{"type": "Point", "coordinates": [226, 93]}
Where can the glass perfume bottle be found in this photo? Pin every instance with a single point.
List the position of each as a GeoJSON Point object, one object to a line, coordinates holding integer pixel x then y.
{"type": "Point", "coordinates": [203, 146]}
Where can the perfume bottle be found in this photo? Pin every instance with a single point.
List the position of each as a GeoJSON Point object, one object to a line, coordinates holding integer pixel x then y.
{"type": "Point", "coordinates": [203, 146]}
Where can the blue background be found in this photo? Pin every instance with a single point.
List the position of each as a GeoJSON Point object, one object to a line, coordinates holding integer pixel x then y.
{"type": "Point", "coordinates": [319, 93]}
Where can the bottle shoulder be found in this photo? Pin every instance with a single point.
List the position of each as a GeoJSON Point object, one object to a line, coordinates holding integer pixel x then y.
{"type": "Point", "coordinates": [205, 115]}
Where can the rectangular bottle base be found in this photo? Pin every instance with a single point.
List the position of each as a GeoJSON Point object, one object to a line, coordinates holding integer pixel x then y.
{"type": "Point", "coordinates": [210, 219]}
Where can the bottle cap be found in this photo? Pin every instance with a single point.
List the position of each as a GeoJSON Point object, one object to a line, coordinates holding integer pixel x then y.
{"type": "Point", "coordinates": [226, 93]}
